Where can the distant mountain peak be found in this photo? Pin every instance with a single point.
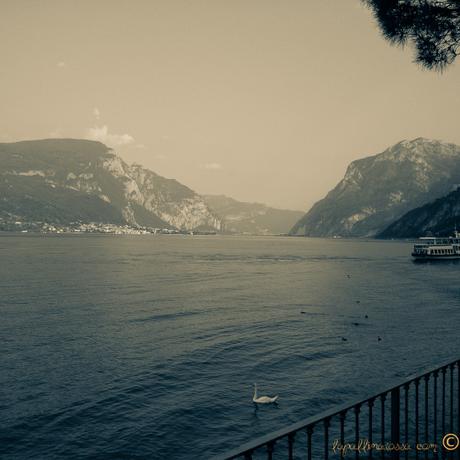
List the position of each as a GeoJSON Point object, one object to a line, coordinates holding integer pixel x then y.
{"type": "Point", "coordinates": [251, 218]}
{"type": "Point", "coordinates": [418, 141]}
{"type": "Point", "coordinates": [420, 147]}
{"type": "Point", "coordinates": [58, 144]}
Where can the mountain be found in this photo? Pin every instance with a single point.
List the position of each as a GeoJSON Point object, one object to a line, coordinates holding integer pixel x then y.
{"type": "Point", "coordinates": [67, 180]}
{"type": "Point", "coordinates": [379, 189]}
{"type": "Point", "coordinates": [254, 218]}
{"type": "Point", "coordinates": [438, 218]}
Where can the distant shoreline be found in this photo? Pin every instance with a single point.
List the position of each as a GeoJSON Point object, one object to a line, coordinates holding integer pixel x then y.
{"type": "Point", "coordinates": [192, 234]}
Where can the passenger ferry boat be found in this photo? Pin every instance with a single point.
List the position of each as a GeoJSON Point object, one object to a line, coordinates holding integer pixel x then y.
{"type": "Point", "coordinates": [437, 248]}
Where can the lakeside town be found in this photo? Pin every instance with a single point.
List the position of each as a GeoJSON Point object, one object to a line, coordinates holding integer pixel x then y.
{"type": "Point", "coordinates": [90, 227]}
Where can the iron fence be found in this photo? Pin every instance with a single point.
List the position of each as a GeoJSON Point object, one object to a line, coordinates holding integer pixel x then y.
{"type": "Point", "coordinates": [417, 419]}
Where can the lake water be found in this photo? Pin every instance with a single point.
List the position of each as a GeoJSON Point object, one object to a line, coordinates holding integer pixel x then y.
{"type": "Point", "coordinates": [146, 347]}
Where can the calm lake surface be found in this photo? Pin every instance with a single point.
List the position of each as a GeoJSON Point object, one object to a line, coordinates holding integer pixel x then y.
{"type": "Point", "coordinates": [147, 347]}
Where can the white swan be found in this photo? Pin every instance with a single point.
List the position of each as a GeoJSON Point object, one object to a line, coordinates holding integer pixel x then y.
{"type": "Point", "coordinates": [263, 399]}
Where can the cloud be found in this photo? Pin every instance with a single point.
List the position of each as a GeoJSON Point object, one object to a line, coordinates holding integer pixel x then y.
{"type": "Point", "coordinates": [101, 134]}
{"type": "Point", "coordinates": [96, 113]}
{"type": "Point", "coordinates": [212, 166]}
{"type": "Point", "coordinates": [60, 64]}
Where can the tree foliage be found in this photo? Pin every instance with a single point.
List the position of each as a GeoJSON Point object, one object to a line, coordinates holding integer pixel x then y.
{"type": "Point", "coordinates": [433, 26]}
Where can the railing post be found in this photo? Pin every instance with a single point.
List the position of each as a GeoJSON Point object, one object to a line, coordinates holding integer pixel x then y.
{"type": "Point", "coordinates": [309, 444]}
{"type": "Point", "coordinates": [342, 430]}
{"type": "Point", "coordinates": [291, 437]}
{"type": "Point", "coordinates": [395, 422]}
{"type": "Point", "coordinates": [327, 422]}
{"type": "Point", "coordinates": [270, 449]}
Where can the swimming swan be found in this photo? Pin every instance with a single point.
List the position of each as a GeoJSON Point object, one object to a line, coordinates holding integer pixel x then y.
{"type": "Point", "coordinates": [262, 399]}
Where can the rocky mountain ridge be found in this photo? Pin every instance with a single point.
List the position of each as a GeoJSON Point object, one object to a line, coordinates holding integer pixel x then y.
{"type": "Point", "coordinates": [379, 189]}
{"type": "Point", "coordinates": [73, 179]}
{"type": "Point", "coordinates": [438, 218]}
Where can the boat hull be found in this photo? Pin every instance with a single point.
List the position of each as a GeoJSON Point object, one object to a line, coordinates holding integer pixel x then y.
{"type": "Point", "coordinates": [423, 257]}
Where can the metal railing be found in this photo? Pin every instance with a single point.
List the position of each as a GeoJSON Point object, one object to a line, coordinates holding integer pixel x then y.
{"type": "Point", "coordinates": [408, 421]}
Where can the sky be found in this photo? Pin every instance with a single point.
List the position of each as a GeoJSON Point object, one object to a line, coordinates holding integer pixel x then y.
{"type": "Point", "coordinates": [260, 100]}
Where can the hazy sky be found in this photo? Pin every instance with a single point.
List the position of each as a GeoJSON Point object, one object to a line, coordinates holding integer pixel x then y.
{"type": "Point", "coordinates": [261, 100]}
